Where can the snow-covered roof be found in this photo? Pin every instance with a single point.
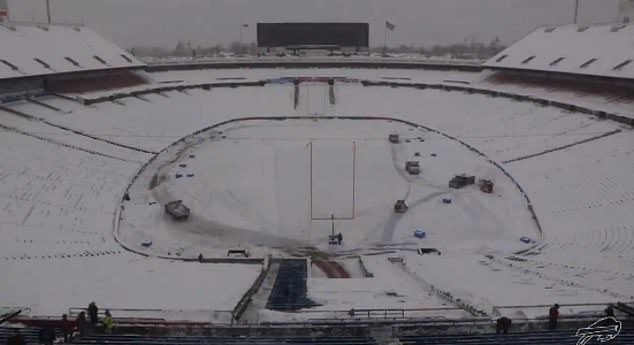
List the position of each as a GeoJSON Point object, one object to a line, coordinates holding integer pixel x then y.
{"type": "Point", "coordinates": [32, 50]}
{"type": "Point", "coordinates": [598, 50]}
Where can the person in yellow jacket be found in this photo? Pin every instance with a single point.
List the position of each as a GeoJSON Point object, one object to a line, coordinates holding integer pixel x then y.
{"type": "Point", "coordinates": [107, 322]}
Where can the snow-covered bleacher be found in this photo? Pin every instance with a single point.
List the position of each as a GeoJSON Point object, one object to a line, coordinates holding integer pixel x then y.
{"type": "Point", "coordinates": [57, 205]}
{"type": "Point", "coordinates": [503, 128]}
{"type": "Point", "coordinates": [605, 50]}
{"type": "Point", "coordinates": [55, 200]}
{"type": "Point", "coordinates": [44, 49]}
{"type": "Point", "coordinates": [584, 196]}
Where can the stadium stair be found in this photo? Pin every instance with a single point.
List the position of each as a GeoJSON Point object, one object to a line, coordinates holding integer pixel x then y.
{"type": "Point", "coordinates": [289, 291]}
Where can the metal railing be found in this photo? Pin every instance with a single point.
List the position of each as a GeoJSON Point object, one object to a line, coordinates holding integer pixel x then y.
{"type": "Point", "coordinates": [150, 316]}
{"type": "Point", "coordinates": [355, 314]}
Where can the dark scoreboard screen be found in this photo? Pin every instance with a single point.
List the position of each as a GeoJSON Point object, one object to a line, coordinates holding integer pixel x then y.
{"type": "Point", "coordinates": [313, 34]}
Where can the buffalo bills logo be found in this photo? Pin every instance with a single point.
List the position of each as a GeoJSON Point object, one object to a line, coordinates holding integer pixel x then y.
{"type": "Point", "coordinates": [603, 330]}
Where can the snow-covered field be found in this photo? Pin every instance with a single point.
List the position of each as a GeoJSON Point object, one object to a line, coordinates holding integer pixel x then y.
{"type": "Point", "coordinates": [277, 183]}
{"type": "Point", "coordinates": [63, 174]}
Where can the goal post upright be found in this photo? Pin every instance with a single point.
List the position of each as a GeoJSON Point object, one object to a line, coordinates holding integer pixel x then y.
{"type": "Point", "coordinates": [311, 179]}
{"type": "Point", "coordinates": [354, 173]}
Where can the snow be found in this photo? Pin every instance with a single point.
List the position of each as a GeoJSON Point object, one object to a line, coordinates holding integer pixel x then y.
{"type": "Point", "coordinates": [292, 176]}
{"type": "Point", "coordinates": [610, 44]}
{"type": "Point", "coordinates": [39, 128]}
{"type": "Point", "coordinates": [196, 77]}
{"type": "Point", "coordinates": [584, 194]}
{"type": "Point", "coordinates": [390, 288]}
{"type": "Point", "coordinates": [51, 287]}
{"type": "Point", "coordinates": [34, 41]}
{"type": "Point", "coordinates": [252, 190]}
{"type": "Point", "coordinates": [332, 179]}
{"type": "Point", "coordinates": [159, 120]}
{"type": "Point", "coordinates": [57, 206]}
{"type": "Point", "coordinates": [600, 99]}
{"type": "Point", "coordinates": [492, 284]}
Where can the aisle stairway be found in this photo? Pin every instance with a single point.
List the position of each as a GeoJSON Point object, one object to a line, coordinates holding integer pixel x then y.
{"type": "Point", "coordinates": [290, 292]}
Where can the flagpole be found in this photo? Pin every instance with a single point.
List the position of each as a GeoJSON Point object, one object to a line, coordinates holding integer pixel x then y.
{"type": "Point", "coordinates": [48, 11]}
{"type": "Point", "coordinates": [385, 41]}
{"type": "Point", "coordinates": [242, 26]}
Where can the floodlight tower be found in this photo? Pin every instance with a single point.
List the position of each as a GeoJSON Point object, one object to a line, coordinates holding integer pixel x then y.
{"type": "Point", "coordinates": [48, 11]}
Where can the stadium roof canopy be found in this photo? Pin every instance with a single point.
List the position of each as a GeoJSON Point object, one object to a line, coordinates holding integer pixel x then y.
{"type": "Point", "coordinates": [605, 50]}
{"type": "Point", "coordinates": [42, 49]}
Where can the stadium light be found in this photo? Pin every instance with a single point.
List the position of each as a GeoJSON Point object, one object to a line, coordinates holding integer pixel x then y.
{"type": "Point", "coordinates": [388, 27]}
{"type": "Point", "coordinates": [242, 26]}
{"type": "Point", "coordinates": [48, 11]}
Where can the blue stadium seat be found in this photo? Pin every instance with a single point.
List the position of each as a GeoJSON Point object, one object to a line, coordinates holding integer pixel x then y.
{"type": "Point", "coordinates": [289, 291]}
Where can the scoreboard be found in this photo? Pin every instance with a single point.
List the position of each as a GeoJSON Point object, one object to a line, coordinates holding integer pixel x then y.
{"type": "Point", "coordinates": [273, 35]}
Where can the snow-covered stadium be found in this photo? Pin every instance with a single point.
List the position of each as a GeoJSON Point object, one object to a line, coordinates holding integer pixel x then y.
{"type": "Point", "coordinates": [272, 157]}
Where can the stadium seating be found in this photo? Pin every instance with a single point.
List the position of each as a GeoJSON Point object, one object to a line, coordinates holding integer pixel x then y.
{"type": "Point", "coordinates": [289, 290]}
{"type": "Point", "coordinates": [533, 338]}
{"type": "Point", "coordinates": [536, 338]}
{"type": "Point", "coordinates": [30, 335]}
{"type": "Point", "coordinates": [213, 340]}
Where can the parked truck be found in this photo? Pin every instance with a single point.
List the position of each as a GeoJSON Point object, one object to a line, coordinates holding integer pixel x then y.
{"type": "Point", "coordinates": [177, 210]}
{"type": "Point", "coordinates": [460, 181]}
{"type": "Point", "coordinates": [412, 167]}
{"type": "Point", "coordinates": [400, 206]}
{"type": "Point", "coordinates": [486, 186]}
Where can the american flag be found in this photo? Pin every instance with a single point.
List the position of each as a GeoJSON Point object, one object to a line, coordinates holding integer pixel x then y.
{"type": "Point", "coordinates": [389, 25]}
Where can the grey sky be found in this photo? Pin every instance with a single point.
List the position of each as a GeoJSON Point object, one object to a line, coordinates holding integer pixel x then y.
{"type": "Point", "coordinates": [207, 22]}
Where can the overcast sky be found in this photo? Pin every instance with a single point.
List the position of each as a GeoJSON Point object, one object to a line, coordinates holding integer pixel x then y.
{"type": "Point", "coordinates": [418, 22]}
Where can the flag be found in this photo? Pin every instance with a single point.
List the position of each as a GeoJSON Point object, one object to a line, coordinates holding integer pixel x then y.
{"type": "Point", "coordinates": [245, 25]}
{"type": "Point", "coordinates": [389, 26]}
{"type": "Point", "coordinates": [4, 8]}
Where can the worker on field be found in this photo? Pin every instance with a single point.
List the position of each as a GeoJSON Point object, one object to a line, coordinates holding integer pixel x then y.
{"type": "Point", "coordinates": [67, 328]}
{"type": "Point", "coordinates": [16, 338]}
{"type": "Point", "coordinates": [93, 311]}
{"type": "Point", "coordinates": [609, 311]}
{"type": "Point", "coordinates": [553, 316]}
{"type": "Point", "coordinates": [502, 325]}
{"type": "Point", "coordinates": [339, 238]}
{"type": "Point", "coordinates": [46, 335]}
{"type": "Point", "coordinates": [82, 324]}
{"type": "Point", "coordinates": [108, 323]}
